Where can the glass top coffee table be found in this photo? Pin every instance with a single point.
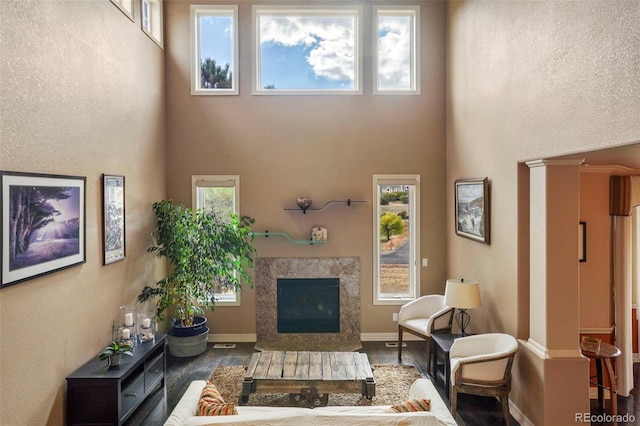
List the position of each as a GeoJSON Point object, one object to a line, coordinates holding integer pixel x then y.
{"type": "Point", "coordinates": [308, 375]}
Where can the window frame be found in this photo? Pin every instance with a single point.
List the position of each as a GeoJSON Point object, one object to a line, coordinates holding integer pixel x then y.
{"type": "Point", "coordinates": [201, 181]}
{"type": "Point", "coordinates": [389, 10]}
{"type": "Point", "coordinates": [355, 10]}
{"type": "Point", "coordinates": [196, 11]}
{"type": "Point", "coordinates": [151, 22]}
{"type": "Point", "coordinates": [126, 7]}
{"type": "Point", "coordinates": [380, 298]}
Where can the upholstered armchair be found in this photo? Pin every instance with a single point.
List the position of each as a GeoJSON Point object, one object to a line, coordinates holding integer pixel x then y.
{"type": "Point", "coordinates": [423, 316]}
{"type": "Point", "coordinates": [481, 365]}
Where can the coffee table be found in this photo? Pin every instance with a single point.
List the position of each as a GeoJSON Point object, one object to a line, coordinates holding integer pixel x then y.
{"type": "Point", "coordinates": [308, 375]}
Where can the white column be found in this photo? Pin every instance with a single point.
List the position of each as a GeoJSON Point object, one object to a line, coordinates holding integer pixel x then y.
{"type": "Point", "coordinates": [554, 334]}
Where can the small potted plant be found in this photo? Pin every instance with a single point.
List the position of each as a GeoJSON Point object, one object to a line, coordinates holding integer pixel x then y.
{"type": "Point", "coordinates": [113, 352]}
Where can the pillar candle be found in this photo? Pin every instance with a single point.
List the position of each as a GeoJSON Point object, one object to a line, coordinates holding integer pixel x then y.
{"type": "Point", "coordinates": [126, 333]}
{"type": "Point", "coordinates": [146, 323]}
{"type": "Point", "coordinates": [128, 319]}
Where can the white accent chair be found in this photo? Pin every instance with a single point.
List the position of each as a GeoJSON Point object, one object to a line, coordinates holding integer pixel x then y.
{"type": "Point", "coordinates": [481, 365]}
{"type": "Point", "coordinates": [423, 316]}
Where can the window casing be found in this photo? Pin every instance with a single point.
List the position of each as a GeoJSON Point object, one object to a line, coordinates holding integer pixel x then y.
{"type": "Point", "coordinates": [396, 50]}
{"type": "Point", "coordinates": [151, 20]}
{"type": "Point", "coordinates": [214, 50]}
{"type": "Point", "coordinates": [219, 194]}
{"type": "Point", "coordinates": [396, 252]}
{"type": "Point", "coordinates": [126, 6]}
{"type": "Point", "coordinates": [307, 50]}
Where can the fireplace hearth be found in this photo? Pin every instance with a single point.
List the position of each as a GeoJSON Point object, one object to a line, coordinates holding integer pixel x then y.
{"type": "Point", "coordinates": [343, 271]}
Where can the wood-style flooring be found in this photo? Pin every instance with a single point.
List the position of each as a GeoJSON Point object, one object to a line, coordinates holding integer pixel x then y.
{"type": "Point", "coordinates": [472, 410]}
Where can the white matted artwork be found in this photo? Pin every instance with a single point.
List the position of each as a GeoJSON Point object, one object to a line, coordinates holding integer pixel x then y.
{"type": "Point", "coordinates": [472, 218]}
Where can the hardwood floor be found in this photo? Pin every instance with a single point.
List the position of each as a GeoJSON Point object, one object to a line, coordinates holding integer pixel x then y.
{"type": "Point", "coordinates": [473, 411]}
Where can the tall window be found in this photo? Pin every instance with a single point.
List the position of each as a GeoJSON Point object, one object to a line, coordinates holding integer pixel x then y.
{"type": "Point", "coordinates": [396, 230]}
{"type": "Point", "coordinates": [214, 52]}
{"type": "Point", "coordinates": [219, 195]}
{"type": "Point", "coordinates": [302, 50]}
{"type": "Point", "coordinates": [151, 21]}
{"type": "Point", "coordinates": [396, 58]}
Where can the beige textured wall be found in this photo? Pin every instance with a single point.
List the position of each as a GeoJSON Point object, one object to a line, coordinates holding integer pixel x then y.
{"type": "Point", "coordinates": [80, 94]}
{"type": "Point", "coordinates": [596, 306]}
{"type": "Point", "coordinates": [323, 147]}
{"type": "Point", "coordinates": [530, 80]}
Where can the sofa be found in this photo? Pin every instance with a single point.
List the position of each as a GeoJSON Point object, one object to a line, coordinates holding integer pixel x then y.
{"type": "Point", "coordinates": [185, 412]}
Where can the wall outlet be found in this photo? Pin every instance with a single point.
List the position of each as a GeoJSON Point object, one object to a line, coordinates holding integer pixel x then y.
{"type": "Point", "coordinates": [395, 316]}
{"type": "Point", "coordinates": [425, 262]}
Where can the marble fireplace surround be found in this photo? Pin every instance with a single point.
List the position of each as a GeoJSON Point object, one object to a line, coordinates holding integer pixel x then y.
{"type": "Point", "coordinates": [269, 269]}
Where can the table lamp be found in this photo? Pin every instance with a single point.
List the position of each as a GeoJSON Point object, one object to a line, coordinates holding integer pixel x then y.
{"type": "Point", "coordinates": [462, 295]}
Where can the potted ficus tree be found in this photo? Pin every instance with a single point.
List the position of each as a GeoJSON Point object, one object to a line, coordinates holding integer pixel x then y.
{"type": "Point", "coordinates": [205, 253]}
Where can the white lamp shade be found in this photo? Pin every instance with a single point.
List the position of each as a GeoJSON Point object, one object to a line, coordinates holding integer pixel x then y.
{"type": "Point", "coordinates": [462, 294]}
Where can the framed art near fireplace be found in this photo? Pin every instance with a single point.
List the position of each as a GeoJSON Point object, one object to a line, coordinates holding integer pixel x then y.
{"type": "Point", "coordinates": [472, 209]}
{"type": "Point", "coordinates": [43, 224]}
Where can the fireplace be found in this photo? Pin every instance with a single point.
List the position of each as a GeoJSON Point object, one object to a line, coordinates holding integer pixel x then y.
{"type": "Point", "coordinates": [308, 305]}
{"type": "Point", "coordinates": [343, 272]}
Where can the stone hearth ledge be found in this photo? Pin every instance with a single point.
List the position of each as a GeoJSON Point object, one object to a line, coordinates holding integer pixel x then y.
{"type": "Point", "coordinates": [269, 269]}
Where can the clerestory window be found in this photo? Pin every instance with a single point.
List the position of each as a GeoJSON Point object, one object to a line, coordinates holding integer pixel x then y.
{"type": "Point", "coordinates": [151, 20]}
{"type": "Point", "coordinates": [396, 47]}
{"type": "Point", "coordinates": [307, 50]}
{"type": "Point", "coordinates": [214, 51]}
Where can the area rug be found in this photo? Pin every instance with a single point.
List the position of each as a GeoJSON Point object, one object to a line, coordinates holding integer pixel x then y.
{"type": "Point", "coordinates": [392, 386]}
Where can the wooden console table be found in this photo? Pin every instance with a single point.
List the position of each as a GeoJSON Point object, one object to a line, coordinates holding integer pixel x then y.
{"type": "Point", "coordinates": [309, 375]}
{"type": "Point", "coordinates": [96, 395]}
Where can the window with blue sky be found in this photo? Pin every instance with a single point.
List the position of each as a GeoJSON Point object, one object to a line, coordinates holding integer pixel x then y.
{"type": "Point", "coordinates": [306, 50]}
{"type": "Point", "coordinates": [396, 51]}
{"type": "Point", "coordinates": [214, 66]}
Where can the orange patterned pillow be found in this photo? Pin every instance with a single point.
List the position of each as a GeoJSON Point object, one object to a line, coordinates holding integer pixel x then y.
{"type": "Point", "coordinates": [212, 404]}
{"type": "Point", "coordinates": [410, 405]}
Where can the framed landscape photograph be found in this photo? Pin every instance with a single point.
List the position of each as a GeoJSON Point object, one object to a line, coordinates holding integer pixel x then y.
{"type": "Point", "coordinates": [113, 218]}
{"type": "Point", "coordinates": [472, 209]}
{"type": "Point", "coordinates": [43, 224]}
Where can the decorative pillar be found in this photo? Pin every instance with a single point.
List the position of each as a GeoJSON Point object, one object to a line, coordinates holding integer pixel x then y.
{"type": "Point", "coordinates": [554, 333]}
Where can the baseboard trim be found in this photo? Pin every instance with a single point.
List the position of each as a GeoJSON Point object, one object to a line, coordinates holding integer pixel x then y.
{"type": "Point", "coordinates": [232, 338]}
{"type": "Point", "coordinates": [387, 337]}
{"type": "Point", "coordinates": [365, 337]}
{"type": "Point", "coordinates": [519, 415]}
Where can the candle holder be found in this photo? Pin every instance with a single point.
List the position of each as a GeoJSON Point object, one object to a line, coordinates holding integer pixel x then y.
{"type": "Point", "coordinates": [126, 336]}
{"type": "Point", "coordinates": [128, 312]}
{"type": "Point", "coordinates": [146, 327]}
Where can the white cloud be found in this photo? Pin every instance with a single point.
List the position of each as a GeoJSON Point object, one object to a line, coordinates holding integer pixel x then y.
{"type": "Point", "coordinates": [330, 41]}
{"type": "Point", "coordinates": [394, 53]}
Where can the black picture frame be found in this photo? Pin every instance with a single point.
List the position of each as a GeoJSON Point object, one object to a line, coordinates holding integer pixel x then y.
{"type": "Point", "coordinates": [113, 219]}
{"type": "Point", "coordinates": [472, 209]}
{"type": "Point", "coordinates": [43, 224]}
{"type": "Point", "coordinates": [582, 241]}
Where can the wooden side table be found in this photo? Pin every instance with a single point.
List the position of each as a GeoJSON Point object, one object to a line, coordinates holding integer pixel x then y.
{"type": "Point", "coordinates": [606, 353]}
{"type": "Point", "coordinates": [442, 342]}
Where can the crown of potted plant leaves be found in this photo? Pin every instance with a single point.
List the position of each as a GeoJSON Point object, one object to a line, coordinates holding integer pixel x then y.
{"type": "Point", "coordinates": [115, 348]}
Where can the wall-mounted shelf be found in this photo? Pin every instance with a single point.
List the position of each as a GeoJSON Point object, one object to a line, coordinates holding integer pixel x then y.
{"type": "Point", "coordinates": [268, 234]}
{"type": "Point", "coordinates": [348, 201]}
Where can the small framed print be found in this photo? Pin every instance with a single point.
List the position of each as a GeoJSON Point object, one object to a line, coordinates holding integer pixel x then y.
{"type": "Point", "coordinates": [113, 218]}
{"type": "Point", "coordinates": [472, 209]}
{"type": "Point", "coordinates": [43, 224]}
